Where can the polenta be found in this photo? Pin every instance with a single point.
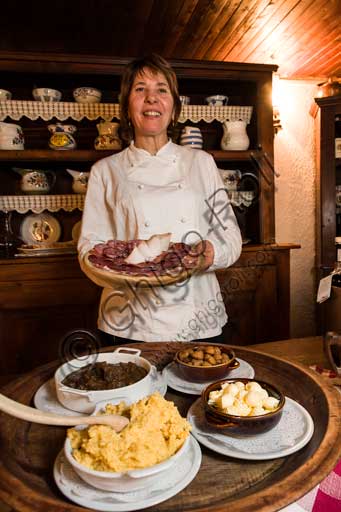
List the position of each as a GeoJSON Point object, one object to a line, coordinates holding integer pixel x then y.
{"type": "Point", "coordinates": [154, 433]}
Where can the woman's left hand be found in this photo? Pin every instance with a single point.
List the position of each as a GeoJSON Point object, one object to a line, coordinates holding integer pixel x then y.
{"type": "Point", "coordinates": [201, 256]}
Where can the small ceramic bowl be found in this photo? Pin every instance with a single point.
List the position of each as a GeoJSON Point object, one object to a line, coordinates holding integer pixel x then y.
{"type": "Point", "coordinates": [217, 100]}
{"type": "Point", "coordinates": [46, 95]}
{"type": "Point", "coordinates": [5, 95]}
{"type": "Point", "coordinates": [85, 401]}
{"type": "Point", "coordinates": [185, 100]}
{"type": "Point", "coordinates": [127, 481]}
{"type": "Point", "coordinates": [87, 95]}
{"type": "Point", "coordinates": [207, 373]}
{"type": "Point", "coordinates": [242, 425]}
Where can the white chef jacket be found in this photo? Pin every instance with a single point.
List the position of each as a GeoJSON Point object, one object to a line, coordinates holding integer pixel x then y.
{"type": "Point", "coordinates": [134, 194]}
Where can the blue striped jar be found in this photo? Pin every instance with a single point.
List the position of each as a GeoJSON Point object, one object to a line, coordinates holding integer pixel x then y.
{"type": "Point", "coordinates": [192, 137]}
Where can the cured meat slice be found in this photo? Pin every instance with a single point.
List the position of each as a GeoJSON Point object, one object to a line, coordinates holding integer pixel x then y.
{"type": "Point", "coordinates": [113, 256]}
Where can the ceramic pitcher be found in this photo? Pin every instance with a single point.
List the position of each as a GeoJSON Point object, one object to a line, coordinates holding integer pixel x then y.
{"type": "Point", "coordinates": [34, 181]}
{"type": "Point", "coordinates": [108, 136]}
{"type": "Point", "coordinates": [191, 136]}
{"type": "Point", "coordinates": [235, 137]}
{"type": "Point", "coordinates": [80, 181]}
{"type": "Point", "coordinates": [61, 137]}
{"type": "Point", "coordinates": [11, 136]}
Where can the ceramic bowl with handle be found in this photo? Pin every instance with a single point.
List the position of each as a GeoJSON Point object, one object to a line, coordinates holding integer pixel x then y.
{"type": "Point", "coordinates": [125, 481]}
{"type": "Point", "coordinates": [5, 95]}
{"type": "Point", "coordinates": [87, 95]}
{"type": "Point", "coordinates": [85, 401]}
{"type": "Point", "coordinates": [46, 95]}
{"type": "Point", "coordinates": [218, 100]}
{"type": "Point", "coordinates": [207, 373]}
{"type": "Point", "coordinates": [242, 425]}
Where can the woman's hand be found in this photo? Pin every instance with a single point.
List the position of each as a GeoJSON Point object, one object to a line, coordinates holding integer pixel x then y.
{"type": "Point", "coordinates": [201, 256]}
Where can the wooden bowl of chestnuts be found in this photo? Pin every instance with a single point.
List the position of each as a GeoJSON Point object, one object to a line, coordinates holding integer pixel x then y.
{"type": "Point", "coordinates": [206, 363]}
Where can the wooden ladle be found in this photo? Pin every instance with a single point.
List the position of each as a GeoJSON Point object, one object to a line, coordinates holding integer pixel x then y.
{"type": "Point", "coordinates": [26, 413]}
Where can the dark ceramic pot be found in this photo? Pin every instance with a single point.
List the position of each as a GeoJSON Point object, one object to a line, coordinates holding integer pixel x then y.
{"type": "Point", "coordinates": [207, 373]}
{"type": "Point", "coordinates": [242, 425]}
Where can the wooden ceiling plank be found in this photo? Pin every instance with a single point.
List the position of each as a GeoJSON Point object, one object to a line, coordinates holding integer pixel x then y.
{"type": "Point", "coordinates": [262, 47]}
{"type": "Point", "coordinates": [179, 26]}
{"type": "Point", "coordinates": [253, 32]}
{"type": "Point", "coordinates": [229, 30]}
{"type": "Point", "coordinates": [201, 25]}
{"type": "Point", "coordinates": [312, 43]}
{"type": "Point", "coordinates": [215, 31]}
{"type": "Point", "coordinates": [325, 59]}
{"type": "Point", "coordinates": [197, 23]}
{"type": "Point", "coordinates": [242, 50]}
{"type": "Point", "coordinates": [159, 24]}
{"type": "Point", "coordinates": [241, 32]}
{"type": "Point", "coordinates": [279, 39]}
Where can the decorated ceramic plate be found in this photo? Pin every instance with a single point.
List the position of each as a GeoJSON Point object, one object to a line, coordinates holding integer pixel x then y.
{"type": "Point", "coordinates": [40, 228]}
{"type": "Point", "coordinates": [293, 431]}
{"type": "Point", "coordinates": [76, 231]}
{"type": "Point", "coordinates": [158, 490]}
{"type": "Point", "coordinates": [176, 381]}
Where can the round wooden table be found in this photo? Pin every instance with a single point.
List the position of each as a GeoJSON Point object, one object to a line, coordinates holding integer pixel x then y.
{"type": "Point", "coordinates": [28, 450]}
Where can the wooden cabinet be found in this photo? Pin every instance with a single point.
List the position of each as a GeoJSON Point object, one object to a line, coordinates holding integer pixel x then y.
{"type": "Point", "coordinates": [328, 177]}
{"type": "Point", "coordinates": [38, 305]}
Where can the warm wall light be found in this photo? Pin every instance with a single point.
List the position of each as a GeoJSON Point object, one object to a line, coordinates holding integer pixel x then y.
{"type": "Point", "coordinates": [275, 103]}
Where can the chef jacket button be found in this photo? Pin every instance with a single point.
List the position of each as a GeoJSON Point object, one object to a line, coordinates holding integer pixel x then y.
{"type": "Point", "coordinates": [183, 219]}
{"type": "Point", "coordinates": [147, 223]}
{"type": "Point", "coordinates": [140, 186]}
{"type": "Point", "coordinates": [157, 302]}
{"type": "Point", "coordinates": [180, 185]}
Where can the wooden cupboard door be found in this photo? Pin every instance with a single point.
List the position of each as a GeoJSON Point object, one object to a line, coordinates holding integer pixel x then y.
{"type": "Point", "coordinates": [251, 301]}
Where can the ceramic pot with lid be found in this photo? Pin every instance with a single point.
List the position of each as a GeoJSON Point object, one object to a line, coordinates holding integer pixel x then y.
{"type": "Point", "coordinates": [108, 136]}
{"type": "Point", "coordinates": [34, 181]}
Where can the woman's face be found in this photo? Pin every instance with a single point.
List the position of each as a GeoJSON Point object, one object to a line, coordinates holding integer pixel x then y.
{"type": "Point", "coordinates": [150, 105]}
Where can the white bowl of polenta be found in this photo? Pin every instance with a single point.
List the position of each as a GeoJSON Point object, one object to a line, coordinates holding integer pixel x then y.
{"type": "Point", "coordinates": [154, 439]}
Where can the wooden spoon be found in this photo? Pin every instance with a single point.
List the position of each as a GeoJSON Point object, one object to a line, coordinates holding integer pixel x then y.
{"type": "Point", "coordinates": [26, 413]}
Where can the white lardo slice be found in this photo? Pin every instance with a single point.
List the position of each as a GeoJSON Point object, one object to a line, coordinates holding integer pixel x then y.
{"type": "Point", "coordinates": [147, 250]}
{"type": "Point", "coordinates": [164, 241]}
{"type": "Point", "coordinates": [135, 256]}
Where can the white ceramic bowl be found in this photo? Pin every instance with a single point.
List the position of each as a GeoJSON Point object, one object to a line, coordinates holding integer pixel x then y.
{"type": "Point", "coordinates": [85, 401]}
{"type": "Point", "coordinates": [5, 95]}
{"type": "Point", "coordinates": [87, 95]}
{"type": "Point", "coordinates": [218, 100]}
{"type": "Point", "coordinates": [127, 481]}
{"type": "Point", "coordinates": [46, 95]}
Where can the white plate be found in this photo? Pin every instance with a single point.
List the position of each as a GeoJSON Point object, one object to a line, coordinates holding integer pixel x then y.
{"type": "Point", "coordinates": [171, 483]}
{"type": "Point", "coordinates": [46, 399]}
{"type": "Point", "coordinates": [293, 431]}
{"type": "Point", "coordinates": [175, 380]}
{"type": "Point", "coordinates": [76, 231]}
{"type": "Point", "coordinates": [40, 228]}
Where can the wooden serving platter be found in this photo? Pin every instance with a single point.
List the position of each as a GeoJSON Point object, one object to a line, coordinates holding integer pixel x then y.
{"type": "Point", "coordinates": [113, 278]}
{"type": "Point", "coordinates": [28, 450]}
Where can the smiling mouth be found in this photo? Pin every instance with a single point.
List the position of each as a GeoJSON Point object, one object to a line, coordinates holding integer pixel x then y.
{"type": "Point", "coordinates": [152, 113]}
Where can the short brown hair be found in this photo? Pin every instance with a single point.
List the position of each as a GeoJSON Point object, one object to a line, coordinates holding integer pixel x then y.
{"type": "Point", "coordinates": [156, 64]}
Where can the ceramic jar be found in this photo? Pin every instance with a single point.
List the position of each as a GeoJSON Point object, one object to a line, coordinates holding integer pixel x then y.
{"type": "Point", "coordinates": [11, 136]}
{"type": "Point", "coordinates": [35, 181]}
{"type": "Point", "coordinates": [108, 136]}
{"type": "Point", "coordinates": [235, 137]}
{"type": "Point", "coordinates": [62, 136]}
{"type": "Point", "coordinates": [191, 136]}
{"type": "Point", "coordinates": [80, 181]}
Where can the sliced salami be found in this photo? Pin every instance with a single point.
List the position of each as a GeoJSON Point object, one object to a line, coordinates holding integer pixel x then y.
{"type": "Point", "coordinates": [112, 255]}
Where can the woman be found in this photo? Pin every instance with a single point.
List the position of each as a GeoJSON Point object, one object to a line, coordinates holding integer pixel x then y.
{"type": "Point", "coordinates": [152, 187]}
